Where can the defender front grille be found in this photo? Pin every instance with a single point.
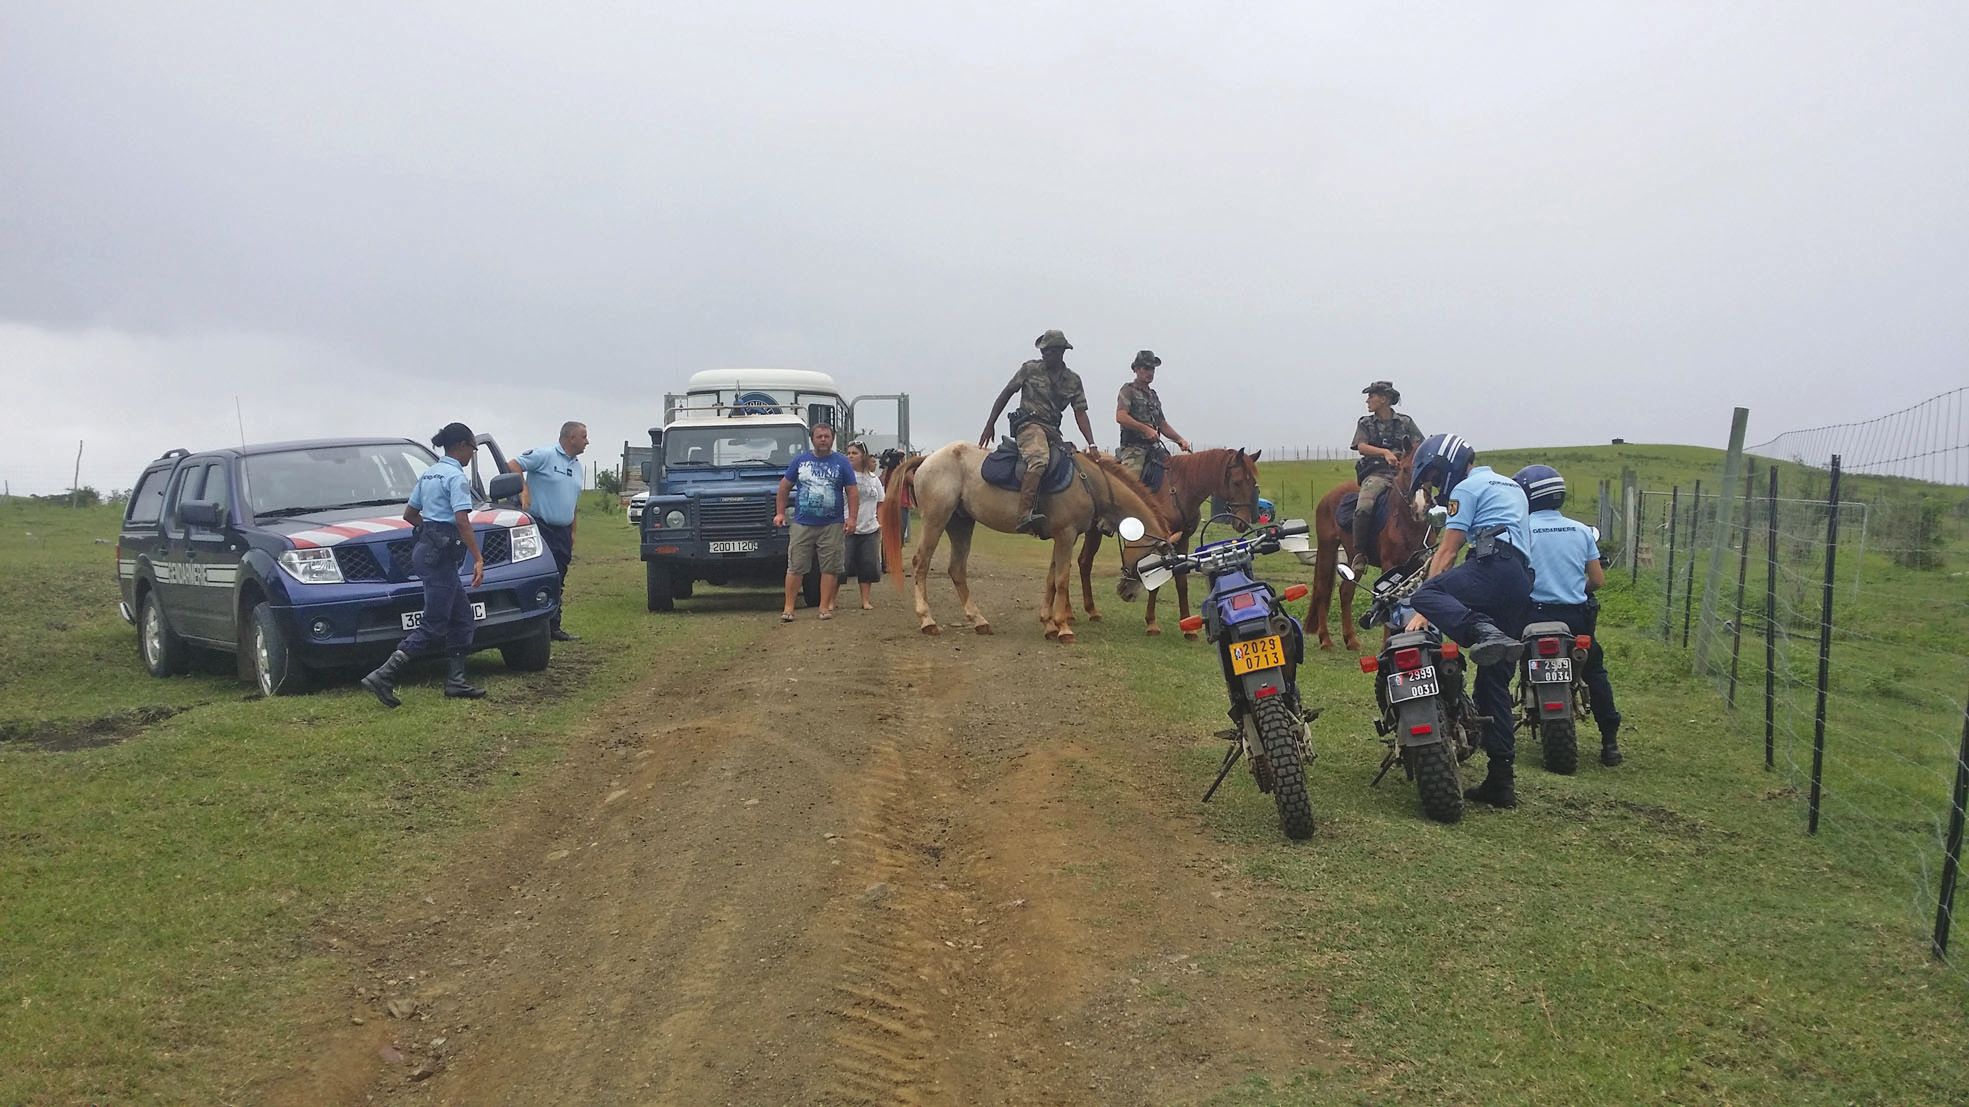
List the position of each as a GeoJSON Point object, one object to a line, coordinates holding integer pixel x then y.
{"type": "Point", "coordinates": [742, 519]}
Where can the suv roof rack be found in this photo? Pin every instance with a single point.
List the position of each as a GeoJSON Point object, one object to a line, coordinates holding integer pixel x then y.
{"type": "Point", "coordinates": [179, 452]}
{"type": "Point", "coordinates": [715, 410]}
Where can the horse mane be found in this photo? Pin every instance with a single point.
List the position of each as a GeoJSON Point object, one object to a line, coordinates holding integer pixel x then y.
{"type": "Point", "coordinates": [1211, 463]}
{"type": "Point", "coordinates": [1119, 473]}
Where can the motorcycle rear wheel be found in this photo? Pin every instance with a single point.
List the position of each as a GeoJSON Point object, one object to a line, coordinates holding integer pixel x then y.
{"type": "Point", "coordinates": [1560, 744]}
{"type": "Point", "coordinates": [1436, 781]}
{"type": "Point", "coordinates": [1279, 731]}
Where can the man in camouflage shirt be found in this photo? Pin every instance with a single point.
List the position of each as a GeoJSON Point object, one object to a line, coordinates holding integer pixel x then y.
{"type": "Point", "coordinates": [1381, 436]}
{"type": "Point", "coordinates": [1139, 411]}
{"type": "Point", "coordinates": [1046, 388]}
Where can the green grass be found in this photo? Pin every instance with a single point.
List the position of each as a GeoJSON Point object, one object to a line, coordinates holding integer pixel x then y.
{"type": "Point", "coordinates": [158, 891]}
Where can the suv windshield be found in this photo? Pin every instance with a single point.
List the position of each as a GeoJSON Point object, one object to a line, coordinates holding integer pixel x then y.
{"type": "Point", "coordinates": [294, 482]}
{"type": "Point", "coordinates": [774, 446]}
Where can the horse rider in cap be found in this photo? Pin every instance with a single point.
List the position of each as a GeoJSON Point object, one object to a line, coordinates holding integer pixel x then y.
{"type": "Point", "coordinates": [1139, 411]}
{"type": "Point", "coordinates": [1046, 388]}
{"type": "Point", "coordinates": [1381, 436]}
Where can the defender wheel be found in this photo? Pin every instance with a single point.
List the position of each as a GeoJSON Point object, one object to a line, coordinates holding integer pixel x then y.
{"type": "Point", "coordinates": [657, 583]}
{"type": "Point", "coordinates": [681, 586]}
{"type": "Point", "coordinates": [1279, 732]}
{"type": "Point", "coordinates": [530, 654]}
{"type": "Point", "coordinates": [276, 671]}
{"type": "Point", "coordinates": [163, 653]}
{"type": "Point", "coordinates": [1560, 744]}
{"type": "Point", "coordinates": [1436, 781]}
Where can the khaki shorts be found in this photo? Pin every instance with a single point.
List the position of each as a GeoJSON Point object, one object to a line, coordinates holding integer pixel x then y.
{"type": "Point", "coordinates": [804, 544]}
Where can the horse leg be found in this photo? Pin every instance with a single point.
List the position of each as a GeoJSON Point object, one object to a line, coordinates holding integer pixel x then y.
{"type": "Point", "coordinates": [1154, 628]}
{"type": "Point", "coordinates": [1323, 575]}
{"type": "Point", "coordinates": [926, 547]}
{"type": "Point", "coordinates": [1061, 599]}
{"type": "Point", "coordinates": [960, 567]}
{"type": "Point", "coordinates": [1183, 593]}
{"type": "Point", "coordinates": [1347, 632]}
{"type": "Point", "coordinates": [1088, 549]}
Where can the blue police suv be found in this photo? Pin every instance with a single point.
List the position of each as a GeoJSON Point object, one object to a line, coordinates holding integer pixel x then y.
{"type": "Point", "coordinates": [295, 557]}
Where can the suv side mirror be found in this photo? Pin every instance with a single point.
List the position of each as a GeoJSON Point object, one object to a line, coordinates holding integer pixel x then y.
{"type": "Point", "coordinates": [201, 513]}
{"type": "Point", "coordinates": [506, 486]}
{"type": "Point", "coordinates": [649, 472]}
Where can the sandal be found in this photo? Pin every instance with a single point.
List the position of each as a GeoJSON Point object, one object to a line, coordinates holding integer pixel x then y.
{"type": "Point", "coordinates": [826, 615]}
{"type": "Point", "coordinates": [786, 616]}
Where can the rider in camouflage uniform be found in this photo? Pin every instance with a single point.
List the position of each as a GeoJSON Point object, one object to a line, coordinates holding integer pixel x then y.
{"type": "Point", "coordinates": [1046, 388]}
{"type": "Point", "coordinates": [1139, 411]}
{"type": "Point", "coordinates": [1382, 436]}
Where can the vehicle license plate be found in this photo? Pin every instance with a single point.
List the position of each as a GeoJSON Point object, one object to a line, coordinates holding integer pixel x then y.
{"type": "Point", "coordinates": [1260, 653]}
{"type": "Point", "coordinates": [1412, 685]}
{"type": "Point", "coordinates": [745, 546]}
{"type": "Point", "coordinates": [1557, 670]}
{"type": "Point", "coordinates": [411, 619]}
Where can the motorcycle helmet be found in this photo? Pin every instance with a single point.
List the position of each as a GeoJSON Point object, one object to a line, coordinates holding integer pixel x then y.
{"type": "Point", "coordinates": [1443, 460]}
{"type": "Point", "coordinates": [1543, 486]}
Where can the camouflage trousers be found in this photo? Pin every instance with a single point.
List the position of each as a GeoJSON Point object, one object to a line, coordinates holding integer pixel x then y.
{"type": "Point", "coordinates": [1136, 458]}
{"type": "Point", "coordinates": [1035, 447]}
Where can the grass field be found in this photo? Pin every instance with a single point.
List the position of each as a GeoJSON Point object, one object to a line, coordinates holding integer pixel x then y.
{"type": "Point", "coordinates": [1659, 932]}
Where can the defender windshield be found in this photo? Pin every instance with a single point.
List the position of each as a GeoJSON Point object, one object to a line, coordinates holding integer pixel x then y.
{"type": "Point", "coordinates": [773, 446]}
{"type": "Point", "coordinates": [295, 482]}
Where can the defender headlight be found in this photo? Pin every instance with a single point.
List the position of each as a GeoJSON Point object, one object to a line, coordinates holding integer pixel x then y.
{"type": "Point", "coordinates": [525, 541]}
{"type": "Point", "coordinates": [316, 566]}
{"type": "Point", "coordinates": [674, 519]}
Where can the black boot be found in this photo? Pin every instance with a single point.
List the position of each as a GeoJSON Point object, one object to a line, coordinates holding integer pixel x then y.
{"type": "Point", "coordinates": [1363, 538]}
{"type": "Point", "coordinates": [1493, 646]}
{"type": "Point", "coordinates": [454, 681]}
{"type": "Point", "coordinates": [383, 680]}
{"type": "Point", "coordinates": [1030, 520]}
{"type": "Point", "coordinates": [1500, 786]}
{"type": "Point", "coordinates": [1610, 754]}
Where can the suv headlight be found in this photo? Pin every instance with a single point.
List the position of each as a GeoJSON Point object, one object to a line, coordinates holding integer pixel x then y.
{"type": "Point", "coordinates": [525, 541]}
{"type": "Point", "coordinates": [674, 519]}
{"type": "Point", "coordinates": [316, 566]}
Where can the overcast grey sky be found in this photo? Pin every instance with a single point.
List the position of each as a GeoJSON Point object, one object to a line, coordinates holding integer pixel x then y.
{"type": "Point", "coordinates": [1548, 223]}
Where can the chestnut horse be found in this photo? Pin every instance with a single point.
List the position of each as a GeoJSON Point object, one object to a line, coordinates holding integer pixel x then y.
{"type": "Point", "coordinates": [1188, 482]}
{"type": "Point", "coordinates": [949, 489]}
{"type": "Point", "coordinates": [1400, 536]}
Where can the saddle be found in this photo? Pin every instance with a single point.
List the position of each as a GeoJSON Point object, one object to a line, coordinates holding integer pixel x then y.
{"type": "Point", "coordinates": [1152, 467]}
{"type": "Point", "coordinates": [1001, 467]}
{"type": "Point", "coordinates": [1347, 508]}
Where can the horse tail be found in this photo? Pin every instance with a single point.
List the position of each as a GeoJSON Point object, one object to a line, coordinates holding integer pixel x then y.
{"type": "Point", "coordinates": [898, 489]}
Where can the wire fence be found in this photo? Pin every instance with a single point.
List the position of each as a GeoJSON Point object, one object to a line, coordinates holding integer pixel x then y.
{"type": "Point", "coordinates": [1829, 593]}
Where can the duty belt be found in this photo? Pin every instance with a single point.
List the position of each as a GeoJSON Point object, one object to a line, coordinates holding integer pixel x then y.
{"type": "Point", "coordinates": [442, 535]}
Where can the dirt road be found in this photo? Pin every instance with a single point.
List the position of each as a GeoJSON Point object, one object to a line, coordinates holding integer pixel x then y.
{"type": "Point", "coordinates": [859, 866]}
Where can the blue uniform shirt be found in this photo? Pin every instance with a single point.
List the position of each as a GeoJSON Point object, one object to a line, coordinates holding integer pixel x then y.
{"type": "Point", "coordinates": [553, 482]}
{"type": "Point", "coordinates": [817, 482]}
{"type": "Point", "coordinates": [1560, 549]}
{"type": "Point", "coordinates": [1488, 499]}
{"type": "Point", "coordinates": [442, 491]}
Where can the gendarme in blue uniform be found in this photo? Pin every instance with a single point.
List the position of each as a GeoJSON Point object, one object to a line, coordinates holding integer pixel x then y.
{"type": "Point", "coordinates": [1560, 549]}
{"type": "Point", "coordinates": [553, 484]}
{"type": "Point", "coordinates": [1486, 499]}
{"type": "Point", "coordinates": [441, 492]}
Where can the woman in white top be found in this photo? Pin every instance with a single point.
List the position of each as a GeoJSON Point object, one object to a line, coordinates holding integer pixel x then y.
{"type": "Point", "coordinates": [865, 531]}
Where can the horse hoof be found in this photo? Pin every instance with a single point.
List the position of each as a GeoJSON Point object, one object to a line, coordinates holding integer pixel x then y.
{"type": "Point", "coordinates": [1326, 645]}
{"type": "Point", "coordinates": [1052, 632]}
{"type": "Point", "coordinates": [1155, 632]}
{"type": "Point", "coordinates": [1093, 616]}
{"type": "Point", "coordinates": [1066, 638]}
{"type": "Point", "coordinates": [983, 628]}
{"type": "Point", "coordinates": [932, 630]}
{"type": "Point", "coordinates": [1189, 636]}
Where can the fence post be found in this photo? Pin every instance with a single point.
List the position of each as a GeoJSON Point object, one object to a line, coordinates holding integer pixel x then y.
{"type": "Point", "coordinates": [1743, 572]}
{"type": "Point", "coordinates": [1689, 574]}
{"type": "Point", "coordinates": [1719, 547]}
{"type": "Point", "coordinates": [1771, 626]}
{"type": "Point", "coordinates": [1630, 514]}
{"type": "Point", "coordinates": [1825, 642]}
{"type": "Point", "coordinates": [1952, 853]}
{"type": "Point", "coordinates": [1668, 597]}
{"type": "Point", "coordinates": [1606, 510]}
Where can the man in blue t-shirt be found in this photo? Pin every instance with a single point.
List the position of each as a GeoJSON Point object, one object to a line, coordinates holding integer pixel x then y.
{"type": "Point", "coordinates": [553, 490]}
{"type": "Point", "coordinates": [1566, 556]}
{"type": "Point", "coordinates": [826, 499]}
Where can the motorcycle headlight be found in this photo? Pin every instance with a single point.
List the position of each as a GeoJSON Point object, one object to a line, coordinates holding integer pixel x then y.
{"type": "Point", "coordinates": [674, 519]}
{"type": "Point", "coordinates": [525, 542]}
{"type": "Point", "coordinates": [316, 566]}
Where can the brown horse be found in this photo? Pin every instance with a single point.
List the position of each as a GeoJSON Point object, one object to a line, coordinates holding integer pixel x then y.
{"type": "Point", "coordinates": [1400, 536]}
{"type": "Point", "coordinates": [1188, 482]}
{"type": "Point", "coordinates": [949, 489]}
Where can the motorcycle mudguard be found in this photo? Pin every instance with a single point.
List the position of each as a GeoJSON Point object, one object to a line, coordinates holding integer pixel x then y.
{"type": "Point", "coordinates": [1258, 678]}
{"type": "Point", "coordinates": [1414, 715]}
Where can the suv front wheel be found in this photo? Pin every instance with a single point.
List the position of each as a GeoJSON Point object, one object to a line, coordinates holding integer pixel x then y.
{"type": "Point", "coordinates": [276, 671]}
{"type": "Point", "coordinates": [164, 653]}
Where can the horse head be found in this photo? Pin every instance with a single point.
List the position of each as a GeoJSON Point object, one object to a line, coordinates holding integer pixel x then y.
{"type": "Point", "coordinates": [1239, 484]}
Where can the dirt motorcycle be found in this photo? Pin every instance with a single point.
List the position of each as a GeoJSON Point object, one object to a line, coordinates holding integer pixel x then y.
{"type": "Point", "coordinates": [1552, 692]}
{"type": "Point", "coordinates": [1428, 721]}
{"type": "Point", "coordinates": [1259, 647]}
